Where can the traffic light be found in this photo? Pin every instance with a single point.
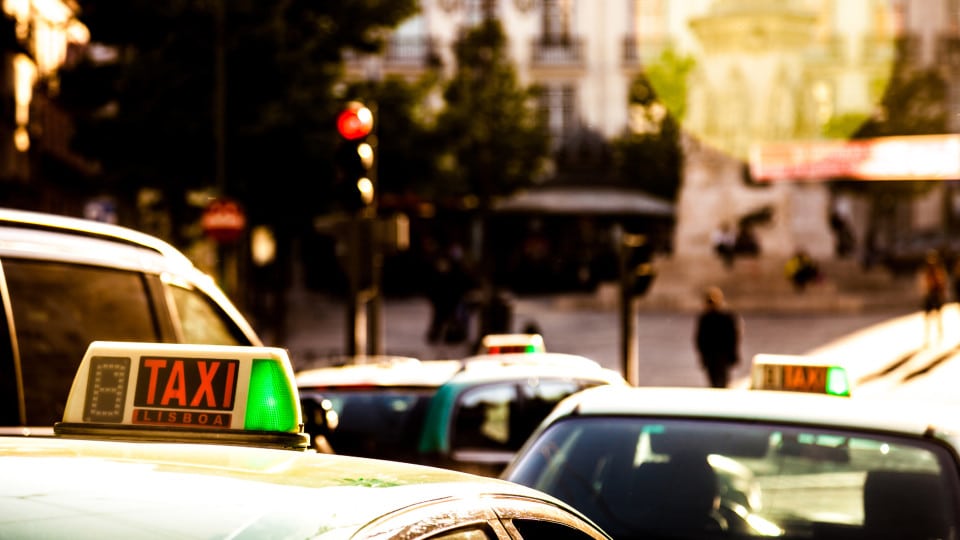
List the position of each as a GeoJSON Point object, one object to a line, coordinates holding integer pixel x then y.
{"type": "Point", "coordinates": [637, 271]}
{"type": "Point", "coordinates": [355, 157]}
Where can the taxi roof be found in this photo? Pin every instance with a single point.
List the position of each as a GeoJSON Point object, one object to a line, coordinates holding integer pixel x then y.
{"type": "Point", "coordinates": [913, 417]}
{"type": "Point", "coordinates": [101, 489]}
{"type": "Point", "coordinates": [434, 373]}
{"type": "Point", "coordinates": [38, 234]}
{"type": "Point", "coordinates": [396, 371]}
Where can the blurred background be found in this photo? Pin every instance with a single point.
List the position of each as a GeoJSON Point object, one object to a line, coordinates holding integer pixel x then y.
{"type": "Point", "coordinates": [553, 146]}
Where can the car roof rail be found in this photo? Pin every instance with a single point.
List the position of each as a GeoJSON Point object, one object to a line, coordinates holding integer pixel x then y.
{"type": "Point", "coordinates": [40, 221]}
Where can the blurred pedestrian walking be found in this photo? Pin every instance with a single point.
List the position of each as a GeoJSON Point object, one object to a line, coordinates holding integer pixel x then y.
{"type": "Point", "coordinates": [447, 290]}
{"type": "Point", "coordinates": [724, 240]}
{"type": "Point", "coordinates": [717, 338]}
{"type": "Point", "coordinates": [802, 270]}
{"type": "Point", "coordinates": [933, 291]}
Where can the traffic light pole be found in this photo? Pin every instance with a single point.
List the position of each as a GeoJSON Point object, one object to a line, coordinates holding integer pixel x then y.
{"type": "Point", "coordinates": [364, 324]}
{"type": "Point", "coordinates": [629, 346]}
{"type": "Point", "coordinates": [357, 180]}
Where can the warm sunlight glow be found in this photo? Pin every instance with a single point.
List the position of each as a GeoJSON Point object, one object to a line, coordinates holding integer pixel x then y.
{"type": "Point", "coordinates": [24, 74]}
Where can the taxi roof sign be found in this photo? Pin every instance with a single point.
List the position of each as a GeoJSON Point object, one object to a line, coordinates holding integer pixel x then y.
{"type": "Point", "coordinates": [512, 343]}
{"type": "Point", "coordinates": [798, 373]}
{"type": "Point", "coordinates": [185, 393]}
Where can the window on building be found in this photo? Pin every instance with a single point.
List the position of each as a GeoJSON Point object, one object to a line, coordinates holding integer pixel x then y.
{"type": "Point", "coordinates": [475, 11]}
{"type": "Point", "coordinates": [559, 107]}
{"type": "Point", "coordinates": [557, 20]}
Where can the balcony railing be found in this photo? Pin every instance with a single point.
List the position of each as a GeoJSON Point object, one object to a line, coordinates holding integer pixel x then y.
{"type": "Point", "coordinates": [409, 52]}
{"type": "Point", "coordinates": [564, 51]}
{"type": "Point", "coordinates": [417, 51]}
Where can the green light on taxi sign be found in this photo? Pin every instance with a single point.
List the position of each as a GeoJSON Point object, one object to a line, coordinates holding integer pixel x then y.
{"type": "Point", "coordinates": [837, 383]}
{"type": "Point", "coordinates": [271, 401]}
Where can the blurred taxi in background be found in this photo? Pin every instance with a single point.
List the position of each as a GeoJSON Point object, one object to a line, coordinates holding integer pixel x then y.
{"type": "Point", "coordinates": [725, 463]}
{"type": "Point", "coordinates": [175, 441]}
{"type": "Point", "coordinates": [65, 282]}
{"type": "Point", "coordinates": [470, 414]}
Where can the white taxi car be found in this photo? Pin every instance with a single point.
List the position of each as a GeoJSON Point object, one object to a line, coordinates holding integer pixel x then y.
{"type": "Point", "coordinates": [174, 441]}
{"type": "Point", "coordinates": [65, 282]}
{"type": "Point", "coordinates": [739, 463]}
{"type": "Point", "coordinates": [470, 414]}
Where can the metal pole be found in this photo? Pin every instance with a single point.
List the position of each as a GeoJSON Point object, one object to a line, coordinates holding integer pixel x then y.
{"type": "Point", "coordinates": [629, 349]}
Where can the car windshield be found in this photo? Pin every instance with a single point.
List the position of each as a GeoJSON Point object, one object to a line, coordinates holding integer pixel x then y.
{"type": "Point", "coordinates": [652, 478]}
{"type": "Point", "coordinates": [380, 422]}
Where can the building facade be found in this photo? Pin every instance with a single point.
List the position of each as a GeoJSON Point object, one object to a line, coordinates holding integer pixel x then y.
{"type": "Point", "coordinates": [764, 71]}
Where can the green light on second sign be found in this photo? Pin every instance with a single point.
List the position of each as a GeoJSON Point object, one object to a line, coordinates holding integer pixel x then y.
{"type": "Point", "coordinates": [837, 383]}
{"type": "Point", "coordinates": [271, 402]}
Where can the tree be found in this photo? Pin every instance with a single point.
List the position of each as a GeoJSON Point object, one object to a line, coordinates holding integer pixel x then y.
{"type": "Point", "coordinates": [405, 133]}
{"type": "Point", "coordinates": [648, 154]}
{"type": "Point", "coordinates": [150, 116]}
{"type": "Point", "coordinates": [493, 139]}
{"type": "Point", "coordinates": [914, 104]}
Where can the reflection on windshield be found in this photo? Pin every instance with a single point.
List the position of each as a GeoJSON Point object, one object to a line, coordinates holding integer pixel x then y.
{"type": "Point", "coordinates": [694, 479]}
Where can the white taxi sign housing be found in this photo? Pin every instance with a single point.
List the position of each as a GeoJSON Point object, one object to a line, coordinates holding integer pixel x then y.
{"type": "Point", "coordinates": [186, 393]}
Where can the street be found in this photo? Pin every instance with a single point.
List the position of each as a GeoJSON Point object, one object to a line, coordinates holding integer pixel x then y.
{"type": "Point", "coordinates": [665, 343]}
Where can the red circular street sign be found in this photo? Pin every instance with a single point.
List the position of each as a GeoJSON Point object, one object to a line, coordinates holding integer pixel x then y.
{"type": "Point", "coordinates": [223, 220]}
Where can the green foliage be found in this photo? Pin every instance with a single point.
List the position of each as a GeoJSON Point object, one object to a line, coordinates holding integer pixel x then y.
{"type": "Point", "coordinates": [668, 78]}
{"type": "Point", "coordinates": [650, 158]}
{"type": "Point", "coordinates": [842, 125]}
{"type": "Point", "coordinates": [491, 138]}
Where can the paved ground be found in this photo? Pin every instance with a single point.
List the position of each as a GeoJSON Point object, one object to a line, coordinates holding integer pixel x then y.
{"type": "Point", "coordinates": [664, 338]}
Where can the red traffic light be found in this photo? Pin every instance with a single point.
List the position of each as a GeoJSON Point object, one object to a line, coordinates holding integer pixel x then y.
{"type": "Point", "coordinates": [355, 122]}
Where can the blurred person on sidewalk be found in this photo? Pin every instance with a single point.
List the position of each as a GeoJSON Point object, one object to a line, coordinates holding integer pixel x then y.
{"type": "Point", "coordinates": [717, 338]}
{"type": "Point", "coordinates": [933, 291]}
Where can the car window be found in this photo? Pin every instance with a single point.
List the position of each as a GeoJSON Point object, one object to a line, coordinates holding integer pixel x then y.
{"type": "Point", "coordinates": [377, 421]}
{"type": "Point", "coordinates": [58, 310]}
{"type": "Point", "coordinates": [482, 417]}
{"type": "Point", "coordinates": [692, 479]}
{"type": "Point", "coordinates": [539, 398]}
{"type": "Point", "coordinates": [502, 416]}
{"type": "Point", "coordinates": [201, 321]}
{"type": "Point", "coordinates": [533, 528]}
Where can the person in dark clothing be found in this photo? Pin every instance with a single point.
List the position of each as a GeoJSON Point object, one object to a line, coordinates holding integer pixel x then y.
{"type": "Point", "coordinates": [717, 338]}
{"type": "Point", "coordinates": [448, 286]}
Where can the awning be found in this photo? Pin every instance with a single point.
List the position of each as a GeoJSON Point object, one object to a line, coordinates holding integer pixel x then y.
{"type": "Point", "coordinates": [587, 201]}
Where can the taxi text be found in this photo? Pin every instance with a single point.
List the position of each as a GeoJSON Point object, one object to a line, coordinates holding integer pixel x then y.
{"type": "Point", "coordinates": [196, 383]}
